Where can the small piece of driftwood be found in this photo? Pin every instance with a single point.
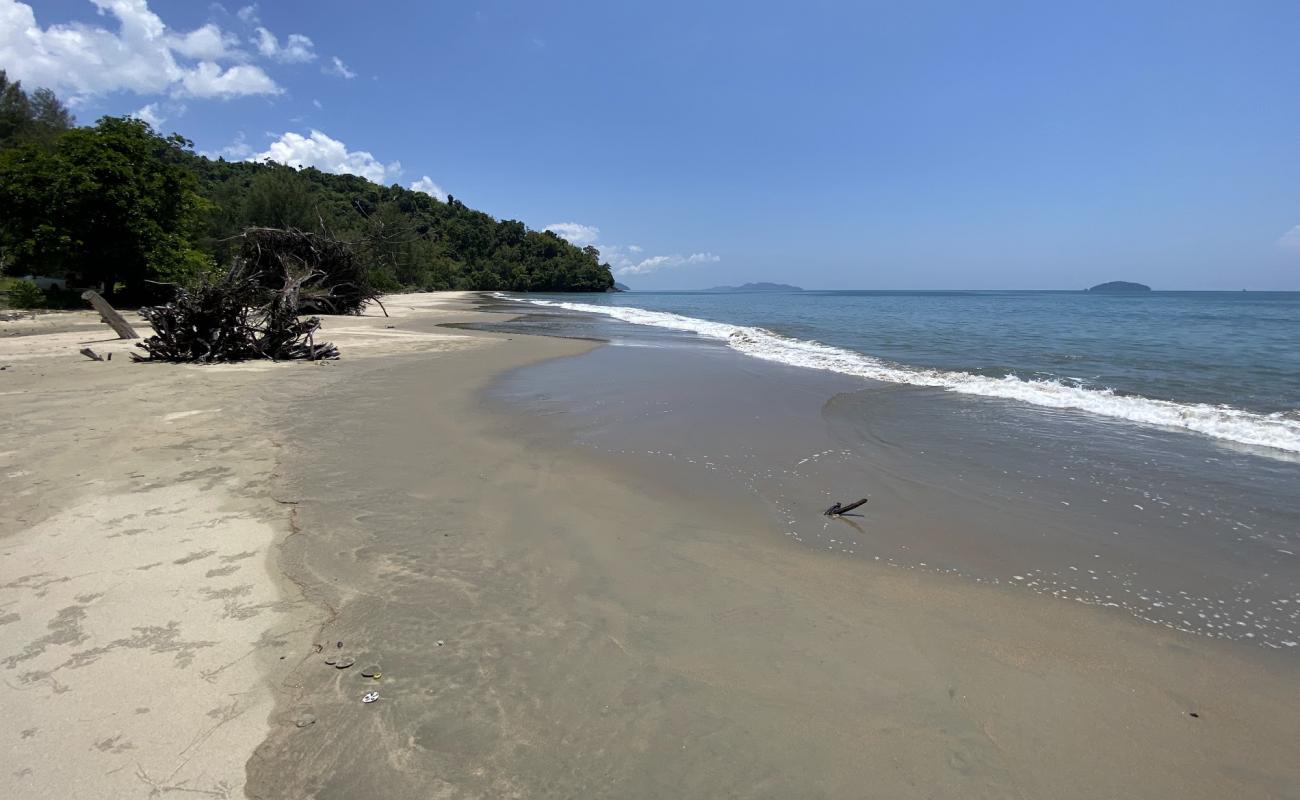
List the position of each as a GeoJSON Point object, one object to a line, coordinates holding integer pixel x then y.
{"type": "Point", "coordinates": [115, 320]}
{"type": "Point", "coordinates": [91, 354]}
{"type": "Point", "coordinates": [837, 509]}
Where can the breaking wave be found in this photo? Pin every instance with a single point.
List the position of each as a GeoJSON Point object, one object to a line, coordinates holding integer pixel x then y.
{"type": "Point", "coordinates": [1277, 431]}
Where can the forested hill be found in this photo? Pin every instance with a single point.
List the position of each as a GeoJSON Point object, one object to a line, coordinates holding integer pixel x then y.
{"type": "Point", "coordinates": [412, 240]}
{"type": "Point", "coordinates": [119, 206]}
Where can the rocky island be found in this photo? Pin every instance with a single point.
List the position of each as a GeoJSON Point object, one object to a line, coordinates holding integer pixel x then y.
{"type": "Point", "coordinates": [757, 287]}
{"type": "Point", "coordinates": [1119, 287]}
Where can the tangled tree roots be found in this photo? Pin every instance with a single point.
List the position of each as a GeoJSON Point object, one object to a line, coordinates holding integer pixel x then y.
{"type": "Point", "coordinates": [332, 278]}
{"type": "Point", "coordinates": [235, 318]}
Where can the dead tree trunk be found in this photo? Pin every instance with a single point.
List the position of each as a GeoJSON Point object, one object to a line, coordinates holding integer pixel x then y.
{"type": "Point", "coordinates": [110, 315]}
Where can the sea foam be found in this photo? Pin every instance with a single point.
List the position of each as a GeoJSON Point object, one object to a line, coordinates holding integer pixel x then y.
{"type": "Point", "coordinates": [1277, 431]}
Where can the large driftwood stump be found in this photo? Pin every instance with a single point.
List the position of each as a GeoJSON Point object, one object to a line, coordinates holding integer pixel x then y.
{"type": "Point", "coordinates": [110, 315]}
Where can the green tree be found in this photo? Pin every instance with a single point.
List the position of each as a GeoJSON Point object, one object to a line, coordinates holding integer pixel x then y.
{"type": "Point", "coordinates": [104, 205]}
{"type": "Point", "coordinates": [280, 197]}
{"type": "Point", "coordinates": [40, 117]}
{"type": "Point", "coordinates": [15, 110]}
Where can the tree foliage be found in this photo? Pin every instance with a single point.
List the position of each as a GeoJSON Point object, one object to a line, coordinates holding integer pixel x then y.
{"type": "Point", "coordinates": [122, 207]}
{"type": "Point", "coordinates": [111, 204]}
{"type": "Point", "coordinates": [407, 239]}
{"type": "Point", "coordinates": [24, 119]}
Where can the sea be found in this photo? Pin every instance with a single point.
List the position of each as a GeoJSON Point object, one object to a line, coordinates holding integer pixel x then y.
{"type": "Point", "coordinates": [1136, 452]}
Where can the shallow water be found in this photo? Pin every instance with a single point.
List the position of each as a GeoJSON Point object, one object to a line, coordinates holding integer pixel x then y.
{"type": "Point", "coordinates": [1185, 531]}
{"type": "Point", "coordinates": [1219, 364]}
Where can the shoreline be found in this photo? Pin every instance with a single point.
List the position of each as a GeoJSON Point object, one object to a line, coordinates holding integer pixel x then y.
{"type": "Point", "coordinates": [550, 624]}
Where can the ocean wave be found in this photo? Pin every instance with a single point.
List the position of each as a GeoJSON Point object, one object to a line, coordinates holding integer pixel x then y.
{"type": "Point", "coordinates": [1220, 422]}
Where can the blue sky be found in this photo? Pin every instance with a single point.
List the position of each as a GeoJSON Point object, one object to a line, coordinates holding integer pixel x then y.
{"type": "Point", "coordinates": [863, 145]}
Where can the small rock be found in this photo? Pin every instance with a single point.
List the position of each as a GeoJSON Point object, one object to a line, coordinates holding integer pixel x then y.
{"type": "Point", "coordinates": [441, 643]}
{"type": "Point", "coordinates": [344, 662]}
{"type": "Point", "coordinates": [303, 720]}
{"type": "Point", "coordinates": [371, 671]}
{"type": "Point", "coordinates": [331, 660]}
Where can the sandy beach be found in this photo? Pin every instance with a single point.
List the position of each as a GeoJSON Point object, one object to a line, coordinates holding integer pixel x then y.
{"type": "Point", "coordinates": [186, 547]}
{"type": "Point", "coordinates": [148, 627]}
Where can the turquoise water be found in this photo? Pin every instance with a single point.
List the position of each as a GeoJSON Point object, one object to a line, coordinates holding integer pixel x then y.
{"type": "Point", "coordinates": [1219, 364]}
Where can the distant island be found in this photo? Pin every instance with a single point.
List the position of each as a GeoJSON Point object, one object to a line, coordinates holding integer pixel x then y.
{"type": "Point", "coordinates": [757, 287]}
{"type": "Point", "coordinates": [1119, 287]}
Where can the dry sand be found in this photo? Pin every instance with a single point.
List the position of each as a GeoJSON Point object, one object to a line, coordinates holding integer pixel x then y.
{"type": "Point", "coordinates": [545, 626]}
{"type": "Point", "coordinates": [145, 624]}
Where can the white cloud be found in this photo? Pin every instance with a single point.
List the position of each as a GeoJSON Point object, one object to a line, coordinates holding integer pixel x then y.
{"type": "Point", "coordinates": [140, 56]}
{"type": "Point", "coordinates": [656, 263]}
{"type": "Point", "coordinates": [575, 233]}
{"type": "Point", "coordinates": [209, 80]}
{"type": "Point", "coordinates": [338, 68]}
{"type": "Point", "coordinates": [238, 150]}
{"type": "Point", "coordinates": [317, 103]}
{"type": "Point", "coordinates": [208, 43]}
{"type": "Point", "coordinates": [151, 115]}
{"type": "Point", "coordinates": [1291, 239]}
{"type": "Point", "coordinates": [426, 185]}
{"type": "Point", "coordinates": [625, 260]}
{"type": "Point", "coordinates": [248, 15]}
{"type": "Point", "coordinates": [328, 155]}
{"type": "Point", "coordinates": [297, 49]}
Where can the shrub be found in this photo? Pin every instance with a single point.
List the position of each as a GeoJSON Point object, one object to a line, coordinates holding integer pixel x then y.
{"type": "Point", "coordinates": [26, 294]}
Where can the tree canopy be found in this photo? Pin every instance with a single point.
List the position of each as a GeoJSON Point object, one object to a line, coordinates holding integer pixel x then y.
{"type": "Point", "coordinates": [120, 206]}
{"type": "Point", "coordinates": [111, 204]}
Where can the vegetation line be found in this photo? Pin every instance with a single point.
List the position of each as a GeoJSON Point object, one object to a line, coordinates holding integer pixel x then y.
{"type": "Point", "coordinates": [122, 209]}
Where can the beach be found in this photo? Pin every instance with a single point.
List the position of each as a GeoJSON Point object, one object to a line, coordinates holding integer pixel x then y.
{"type": "Point", "coordinates": [552, 611]}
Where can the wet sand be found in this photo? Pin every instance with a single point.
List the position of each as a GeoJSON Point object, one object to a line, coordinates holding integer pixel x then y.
{"type": "Point", "coordinates": [550, 624]}
{"type": "Point", "coordinates": [1171, 529]}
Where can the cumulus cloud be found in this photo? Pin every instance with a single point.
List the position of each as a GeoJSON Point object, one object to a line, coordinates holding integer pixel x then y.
{"type": "Point", "coordinates": [210, 80]}
{"type": "Point", "coordinates": [328, 155]}
{"type": "Point", "coordinates": [248, 15]}
{"type": "Point", "coordinates": [1291, 239]}
{"type": "Point", "coordinates": [575, 233]}
{"type": "Point", "coordinates": [151, 115]}
{"type": "Point", "coordinates": [625, 259]}
{"type": "Point", "coordinates": [656, 263]}
{"type": "Point", "coordinates": [426, 185]}
{"type": "Point", "coordinates": [209, 43]}
{"type": "Point", "coordinates": [140, 56]}
{"type": "Point", "coordinates": [337, 67]}
{"type": "Point", "coordinates": [297, 49]}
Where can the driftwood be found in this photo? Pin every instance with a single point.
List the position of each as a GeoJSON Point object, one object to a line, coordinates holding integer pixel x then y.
{"type": "Point", "coordinates": [110, 315]}
{"type": "Point", "coordinates": [91, 354]}
{"type": "Point", "coordinates": [235, 318]}
{"type": "Point", "coordinates": [837, 509]}
{"type": "Point", "coordinates": [331, 278]}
